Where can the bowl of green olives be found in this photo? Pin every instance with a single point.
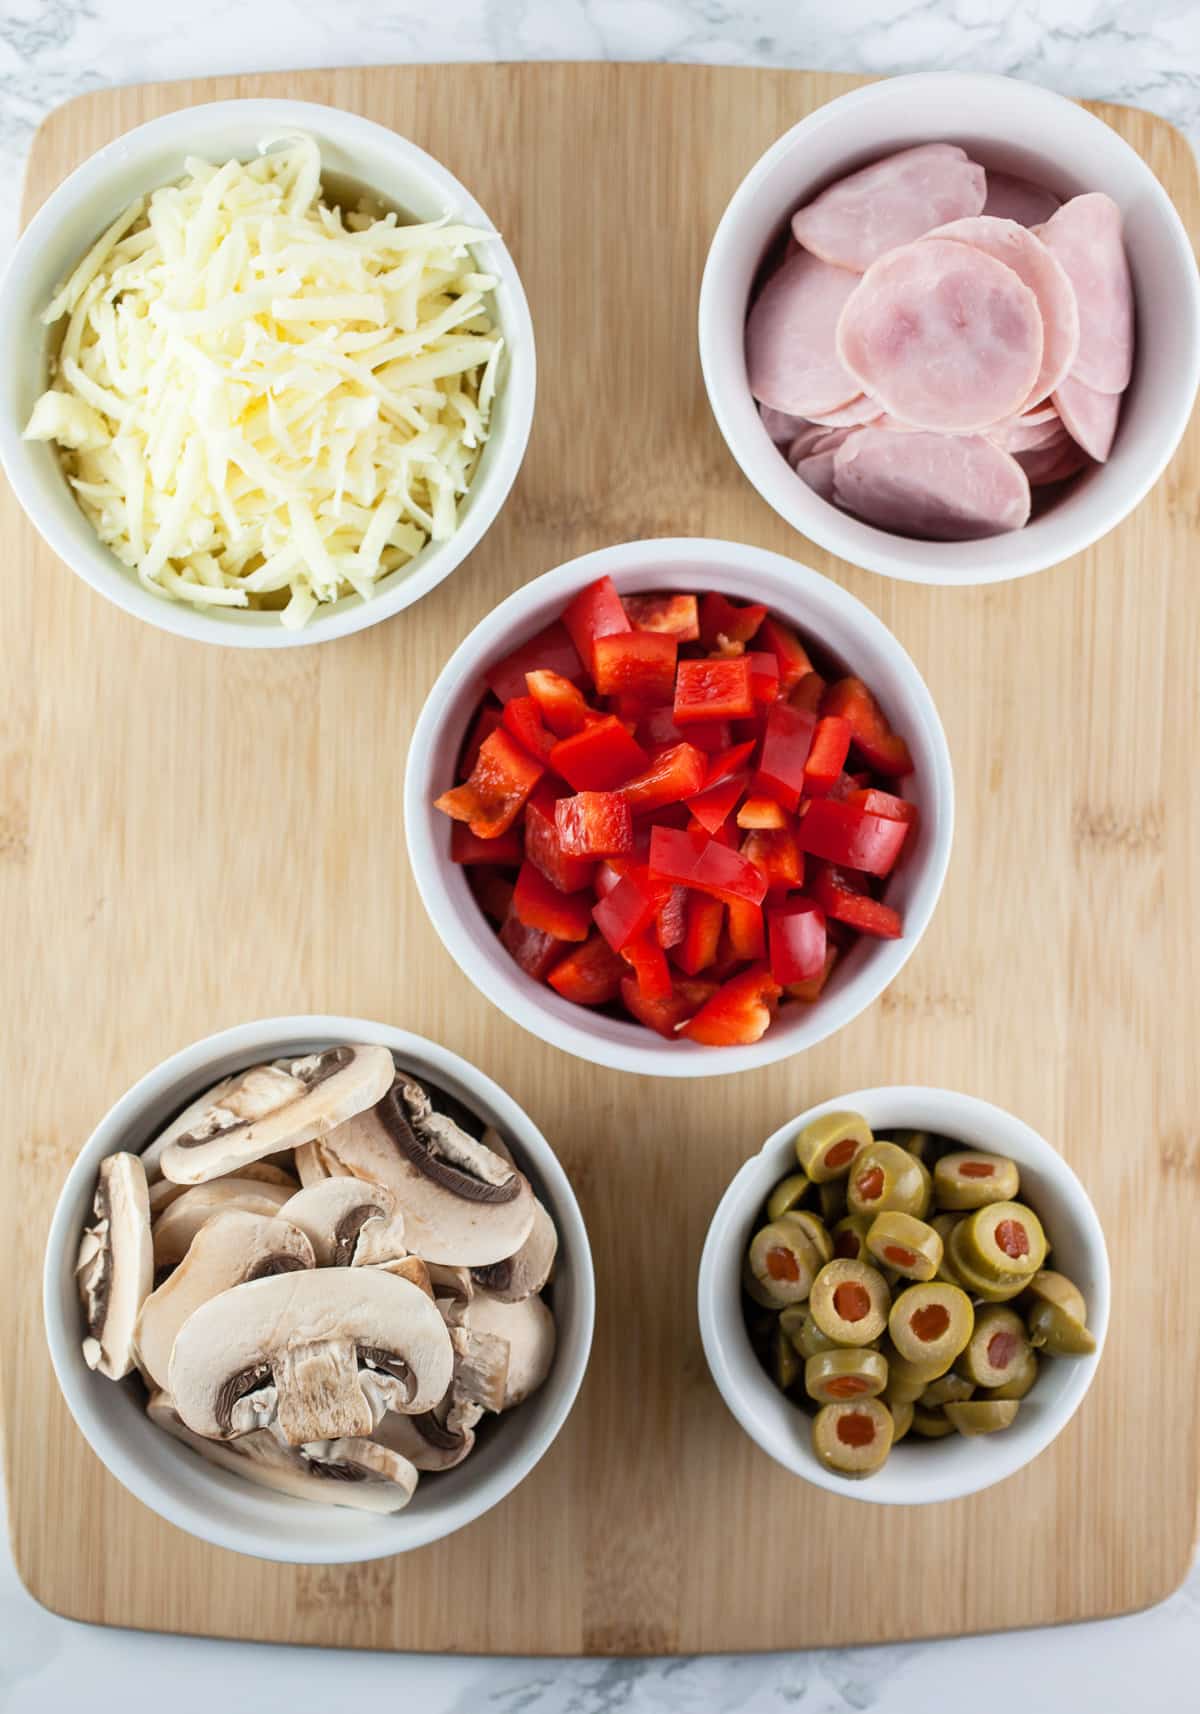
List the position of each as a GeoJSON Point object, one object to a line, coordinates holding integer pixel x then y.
{"type": "Point", "coordinates": [899, 1267]}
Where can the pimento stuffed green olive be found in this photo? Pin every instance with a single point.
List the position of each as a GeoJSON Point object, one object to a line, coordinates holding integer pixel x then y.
{"type": "Point", "coordinates": [849, 1302]}
{"type": "Point", "coordinates": [1052, 1329]}
{"type": "Point", "coordinates": [853, 1438]}
{"type": "Point", "coordinates": [971, 1180]}
{"type": "Point", "coordinates": [833, 1375]}
{"type": "Point", "coordinates": [798, 1324]}
{"type": "Point", "coordinates": [931, 1323]}
{"type": "Point", "coordinates": [905, 1244]}
{"type": "Point", "coordinates": [999, 1288]}
{"type": "Point", "coordinates": [982, 1416]}
{"type": "Point", "coordinates": [789, 1193]}
{"type": "Point", "coordinates": [885, 1179]}
{"type": "Point", "coordinates": [1003, 1240]}
{"type": "Point", "coordinates": [997, 1349]}
{"type": "Point", "coordinates": [850, 1238]}
{"type": "Point", "coordinates": [780, 1265]}
{"type": "Point", "coordinates": [826, 1147]}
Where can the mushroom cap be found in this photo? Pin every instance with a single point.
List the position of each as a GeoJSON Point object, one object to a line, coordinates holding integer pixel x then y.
{"type": "Point", "coordinates": [334, 1212]}
{"type": "Point", "coordinates": [194, 1111]}
{"type": "Point", "coordinates": [528, 1326]}
{"type": "Point", "coordinates": [527, 1270]}
{"type": "Point", "coordinates": [227, 1251]}
{"type": "Point", "coordinates": [179, 1223]}
{"type": "Point", "coordinates": [272, 1107]}
{"type": "Point", "coordinates": [426, 1441]}
{"type": "Point", "coordinates": [115, 1267]}
{"type": "Point", "coordinates": [306, 1334]}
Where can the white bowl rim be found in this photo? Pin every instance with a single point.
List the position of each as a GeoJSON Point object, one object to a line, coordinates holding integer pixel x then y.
{"type": "Point", "coordinates": [536, 1008]}
{"type": "Point", "coordinates": [109, 1446]}
{"type": "Point", "coordinates": [437, 560]}
{"type": "Point", "coordinates": [947, 1109]}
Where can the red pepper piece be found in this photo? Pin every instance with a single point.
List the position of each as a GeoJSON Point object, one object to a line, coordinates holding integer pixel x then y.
{"type": "Point", "coordinates": [562, 705]}
{"type": "Point", "coordinates": [673, 776]}
{"type": "Point", "coordinates": [641, 663]}
{"type": "Point", "coordinates": [591, 975]}
{"type": "Point", "coordinates": [624, 914]}
{"type": "Point", "coordinates": [786, 743]}
{"type": "Point", "coordinates": [674, 615]}
{"type": "Point", "coordinates": [671, 921]}
{"type": "Point", "coordinates": [848, 783]}
{"type": "Point", "coordinates": [594, 824]}
{"type": "Point", "coordinates": [544, 848]}
{"type": "Point", "coordinates": [552, 649]}
{"type": "Point", "coordinates": [712, 689]}
{"type": "Point", "coordinates": [600, 758]}
{"type": "Point", "coordinates": [650, 967]}
{"type": "Point", "coordinates": [698, 948]}
{"type": "Point", "coordinates": [810, 989]}
{"type": "Point", "coordinates": [712, 807]}
{"type": "Point", "coordinates": [844, 899]}
{"type": "Point", "coordinates": [809, 693]}
{"type": "Point", "coordinates": [761, 812]}
{"type": "Point", "coordinates": [891, 808]}
{"type": "Point", "coordinates": [731, 761]}
{"type": "Point", "coordinates": [826, 759]}
{"type": "Point", "coordinates": [658, 729]}
{"type": "Point", "coordinates": [467, 847]}
{"type": "Point", "coordinates": [486, 722]}
{"type": "Point", "coordinates": [851, 837]}
{"type": "Point", "coordinates": [501, 780]}
{"type": "Point", "coordinates": [539, 904]}
{"type": "Point", "coordinates": [595, 612]}
{"type": "Point", "coordinates": [493, 890]}
{"type": "Point", "coordinates": [688, 860]}
{"type": "Point", "coordinates": [721, 618]}
{"type": "Point", "coordinates": [747, 935]}
{"type": "Point", "coordinates": [533, 949]}
{"type": "Point", "coordinates": [764, 677]}
{"type": "Point", "coordinates": [608, 875]}
{"type": "Point", "coordinates": [738, 1013]}
{"type": "Point", "coordinates": [775, 852]}
{"type": "Point", "coordinates": [880, 748]}
{"type": "Point", "coordinates": [788, 650]}
{"type": "Point", "coordinates": [796, 930]}
{"type": "Point", "coordinates": [523, 721]}
{"type": "Point", "coordinates": [665, 1015]}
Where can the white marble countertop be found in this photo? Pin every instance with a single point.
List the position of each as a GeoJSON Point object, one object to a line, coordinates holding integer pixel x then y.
{"type": "Point", "coordinates": [1147, 54]}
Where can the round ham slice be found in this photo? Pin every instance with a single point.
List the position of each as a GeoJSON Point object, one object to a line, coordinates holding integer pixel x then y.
{"type": "Point", "coordinates": [1046, 464]}
{"type": "Point", "coordinates": [1020, 435]}
{"type": "Point", "coordinates": [791, 355]}
{"type": "Point", "coordinates": [817, 471]}
{"type": "Point", "coordinates": [1011, 198]}
{"type": "Point", "coordinates": [858, 219]}
{"type": "Point", "coordinates": [1032, 263]}
{"type": "Point", "coordinates": [1085, 236]}
{"type": "Point", "coordinates": [782, 427]}
{"type": "Point", "coordinates": [1090, 417]}
{"type": "Point", "coordinates": [858, 411]}
{"type": "Point", "coordinates": [950, 488]}
{"type": "Point", "coordinates": [944, 336]}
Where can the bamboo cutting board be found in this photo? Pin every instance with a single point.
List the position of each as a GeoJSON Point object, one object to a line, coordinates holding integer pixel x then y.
{"type": "Point", "coordinates": [191, 837]}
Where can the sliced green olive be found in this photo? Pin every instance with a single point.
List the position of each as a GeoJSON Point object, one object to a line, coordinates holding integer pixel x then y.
{"type": "Point", "coordinates": [982, 1416]}
{"type": "Point", "coordinates": [789, 1193]}
{"type": "Point", "coordinates": [1021, 1382]}
{"type": "Point", "coordinates": [854, 1439]}
{"type": "Point", "coordinates": [850, 1238]}
{"type": "Point", "coordinates": [958, 1264]}
{"type": "Point", "coordinates": [815, 1231]}
{"type": "Point", "coordinates": [826, 1147]}
{"type": "Point", "coordinates": [785, 1364]}
{"type": "Point", "coordinates": [1052, 1329]}
{"type": "Point", "coordinates": [1003, 1240]}
{"type": "Point", "coordinates": [1057, 1288]}
{"type": "Point", "coordinates": [908, 1245]}
{"type": "Point", "coordinates": [780, 1265]}
{"type": "Point", "coordinates": [943, 1225]}
{"type": "Point", "coordinates": [950, 1389]}
{"type": "Point", "coordinates": [799, 1326]}
{"type": "Point", "coordinates": [849, 1302]}
{"type": "Point", "coordinates": [886, 1178]}
{"type": "Point", "coordinates": [997, 1343]}
{"type": "Point", "coordinates": [831, 1200]}
{"type": "Point", "coordinates": [931, 1323]}
{"type": "Point", "coordinates": [931, 1424]}
{"type": "Point", "coordinates": [907, 1381]}
{"type": "Point", "coordinates": [969, 1179]}
{"type": "Point", "coordinates": [834, 1375]}
{"type": "Point", "coordinates": [902, 1415]}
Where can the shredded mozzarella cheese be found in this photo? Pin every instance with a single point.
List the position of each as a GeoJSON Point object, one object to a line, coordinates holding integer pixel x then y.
{"type": "Point", "coordinates": [264, 401]}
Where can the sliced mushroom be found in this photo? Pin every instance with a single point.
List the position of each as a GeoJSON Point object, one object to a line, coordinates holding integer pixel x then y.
{"type": "Point", "coordinates": [480, 1369]}
{"type": "Point", "coordinates": [462, 1204]}
{"type": "Point", "coordinates": [273, 1107]}
{"type": "Point", "coordinates": [312, 1164]}
{"type": "Point", "coordinates": [268, 1173]}
{"type": "Point", "coordinates": [115, 1266]}
{"type": "Point", "coordinates": [302, 1337]}
{"type": "Point", "coordinates": [162, 1194]}
{"type": "Point", "coordinates": [452, 1291]}
{"type": "Point", "coordinates": [177, 1225]}
{"type": "Point", "coordinates": [408, 1268]}
{"type": "Point", "coordinates": [227, 1251]}
{"type": "Point", "coordinates": [194, 1111]}
{"type": "Point", "coordinates": [528, 1326]}
{"type": "Point", "coordinates": [335, 1212]}
{"type": "Point", "coordinates": [527, 1270]}
{"type": "Point", "coordinates": [427, 1441]}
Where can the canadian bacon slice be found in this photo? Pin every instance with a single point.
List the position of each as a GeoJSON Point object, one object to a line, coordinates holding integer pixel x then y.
{"type": "Point", "coordinates": [932, 486]}
{"type": "Point", "coordinates": [791, 352]}
{"type": "Point", "coordinates": [891, 202]}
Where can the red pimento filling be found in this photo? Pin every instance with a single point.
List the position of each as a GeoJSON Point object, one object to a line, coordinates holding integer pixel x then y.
{"type": "Point", "coordinates": [1002, 1347]}
{"type": "Point", "coordinates": [899, 1256]}
{"type": "Point", "coordinates": [976, 1169]}
{"type": "Point", "coordinates": [869, 1184]}
{"type": "Point", "coordinates": [782, 1265]}
{"type": "Point", "coordinates": [845, 1386]}
{"type": "Point", "coordinates": [1013, 1239]}
{"type": "Point", "coordinates": [851, 1301]}
{"type": "Point", "coordinates": [840, 1153]}
{"type": "Point", "coordinates": [855, 1429]}
{"type": "Point", "coordinates": [929, 1322]}
{"type": "Point", "coordinates": [740, 798]}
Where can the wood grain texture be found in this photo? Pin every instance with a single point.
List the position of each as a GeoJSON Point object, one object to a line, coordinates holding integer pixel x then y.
{"type": "Point", "coordinates": [190, 837]}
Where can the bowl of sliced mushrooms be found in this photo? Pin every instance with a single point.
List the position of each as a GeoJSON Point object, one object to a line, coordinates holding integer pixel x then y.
{"type": "Point", "coordinates": [317, 1290]}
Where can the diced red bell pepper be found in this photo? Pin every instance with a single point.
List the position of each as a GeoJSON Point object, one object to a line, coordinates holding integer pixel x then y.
{"type": "Point", "coordinates": [712, 806]}
{"type": "Point", "coordinates": [698, 948]}
{"type": "Point", "coordinates": [595, 612]}
{"type": "Point", "coordinates": [796, 930]}
{"type": "Point", "coordinates": [673, 776]}
{"type": "Point", "coordinates": [467, 847]}
{"type": "Point", "coordinates": [624, 914]}
{"type": "Point", "coordinates": [852, 838]}
{"type": "Point", "coordinates": [847, 784]}
{"type": "Point", "coordinates": [738, 1013]}
{"type": "Point", "coordinates": [764, 677]}
{"type": "Point", "coordinates": [881, 748]}
{"type": "Point", "coordinates": [502, 778]}
{"type": "Point", "coordinates": [687, 860]}
{"type": "Point", "coordinates": [649, 964]}
{"type": "Point", "coordinates": [788, 650]}
{"type": "Point", "coordinates": [539, 904]}
{"type": "Point", "coordinates": [562, 705]}
{"type": "Point", "coordinates": [810, 989]}
{"type": "Point", "coordinates": [637, 662]}
{"type": "Point", "coordinates": [733, 760]}
{"type": "Point", "coordinates": [747, 936]}
{"type": "Point", "coordinates": [674, 615]}
{"type": "Point", "coordinates": [544, 848]}
{"type": "Point", "coordinates": [826, 759]}
{"type": "Point", "coordinates": [552, 649]}
{"type": "Point", "coordinates": [787, 740]}
{"type": "Point", "coordinates": [486, 722]}
{"type": "Point", "coordinates": [594, 824]}
{"type": "Point", "coordinates": [591, 975]}
{"type": "Point", "coordinates": [721, 618]}
{"type": "Point", "coordinates": [658, 729]}
{"type": "Point", "coordinates": [775, 852]}
{"type": "Point", "coordinates": [671, 921]}
{"type": "Point", "coordinates": [761, 812]}
{"type": "Point", "coordinates": [533, 949]}
{"type": "Point", "coordinates": [600, 758]}
{"type": "Point", "coordinates": [843, 898]}
{"type": "Point", "coordinates": [493, 890]}
{"type": "Point", "coordinates": [684, 1001]}
{"type": "Point", "coordinates": [523, 721]}
{"type": "Point", "coordinates": [712, 690]}
{"type": "Point", "coordinates": [891, 808]}
{"type": "Point", "coordinates": [809, 693]}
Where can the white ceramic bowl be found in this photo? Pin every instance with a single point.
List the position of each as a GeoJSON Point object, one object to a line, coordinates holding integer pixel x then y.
{"type": "Point", "coordinates": [915, 1473]}
{"type": "Point", "coordinates": [218, 1507]}
{"type": "Point", "coordinates": [1005, 124]}
{"type": "Point", "coordinates": [818, 608]}
{"type": "Point", "coordinates": [70, 220]}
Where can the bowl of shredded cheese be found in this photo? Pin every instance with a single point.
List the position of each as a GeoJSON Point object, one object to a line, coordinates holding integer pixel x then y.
{"type": "Point", "coordinates": [268, 372]}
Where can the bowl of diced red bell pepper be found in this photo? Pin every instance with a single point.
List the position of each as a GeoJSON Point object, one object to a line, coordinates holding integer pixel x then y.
{"type": "Point", "coordinates": [680, 807]}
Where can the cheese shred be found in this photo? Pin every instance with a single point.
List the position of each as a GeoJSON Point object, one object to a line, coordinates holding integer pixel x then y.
{"type": "Point", "coordinates": [264, 401]}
